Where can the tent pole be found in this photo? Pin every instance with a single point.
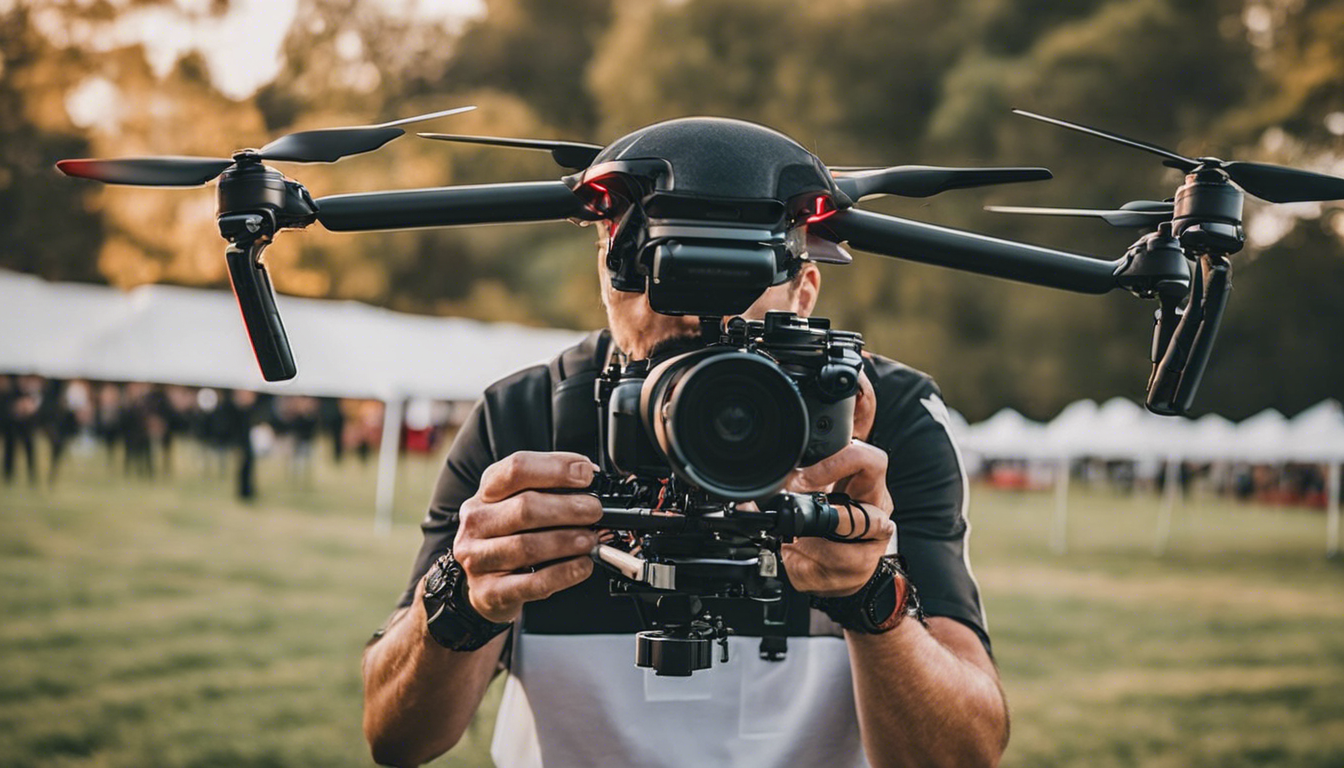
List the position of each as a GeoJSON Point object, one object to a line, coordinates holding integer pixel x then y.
{"type": "Point", "coordinates": [388, 449]}
{"type": "Point", "coordinates": [1332, 510]}
{"type": "Point", "coordinates": [1059, 532]}
{"type": "Point", "coordinates": [1169, 490]}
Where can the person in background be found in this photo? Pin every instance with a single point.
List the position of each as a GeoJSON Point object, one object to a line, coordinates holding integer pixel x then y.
{"type": "Point", "coordinates": [21, 404]}
{"type": "Point", "coordinates": [240, 413]}
{"type": "Point", "coordinates": [107, 420]}
{"type": "Point", "coordinates": [59, 421]}
{"type": "Point", "coordinates": [331, 417]}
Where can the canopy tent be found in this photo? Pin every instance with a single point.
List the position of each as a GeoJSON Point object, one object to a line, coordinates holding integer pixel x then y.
{"type": "Point", "coordinates": [171, 335]}
{"type": "Point", "coordinates": [1122, 430]}
{"type": "Point", "coordinates": [1006, 435]}
{"type": "Point", "coordinates": [193, 337]}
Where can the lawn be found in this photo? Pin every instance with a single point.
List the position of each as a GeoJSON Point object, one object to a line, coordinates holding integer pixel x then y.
{"type": "Point", "coordinates": [164, 624]}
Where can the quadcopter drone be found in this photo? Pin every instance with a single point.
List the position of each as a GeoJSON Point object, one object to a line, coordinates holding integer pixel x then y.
{"type": "Point", "coordinates": [703, 215]}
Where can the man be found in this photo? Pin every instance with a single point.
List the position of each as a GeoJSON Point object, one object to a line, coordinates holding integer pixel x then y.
{"type": "Point", "coordinates": [919, 694]}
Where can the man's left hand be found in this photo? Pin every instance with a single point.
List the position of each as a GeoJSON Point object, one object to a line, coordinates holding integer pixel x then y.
{"type": "Point", "coordinates": [834, 569]}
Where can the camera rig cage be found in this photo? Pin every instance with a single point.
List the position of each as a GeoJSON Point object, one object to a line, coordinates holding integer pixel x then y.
{"type": "Point", "coordinates": [704, 214]}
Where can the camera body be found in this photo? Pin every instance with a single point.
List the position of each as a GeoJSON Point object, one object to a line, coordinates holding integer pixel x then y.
{"type": "Point", "coordinates": [737, 415]}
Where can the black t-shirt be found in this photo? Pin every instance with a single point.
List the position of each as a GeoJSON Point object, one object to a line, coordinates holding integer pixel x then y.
{"type": "Point", "coordinates": [528, 411]}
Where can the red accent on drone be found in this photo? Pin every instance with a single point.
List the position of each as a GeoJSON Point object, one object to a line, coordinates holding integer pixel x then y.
{"type": "Point", "coordinates": [823, 209]}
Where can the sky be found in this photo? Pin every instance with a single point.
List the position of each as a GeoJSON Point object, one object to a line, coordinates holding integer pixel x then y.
{"type": "Point", "coordinates": [242, 48]}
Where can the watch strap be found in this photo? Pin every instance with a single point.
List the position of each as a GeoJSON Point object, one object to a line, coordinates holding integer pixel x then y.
{"type": "Point", "coordinates": [880, 605]}
{"type": "Point", "coordinates": [450, 619]}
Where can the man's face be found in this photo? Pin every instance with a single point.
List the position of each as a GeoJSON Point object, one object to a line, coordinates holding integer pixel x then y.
{"type": "Point", "coordinates": [636, 328]}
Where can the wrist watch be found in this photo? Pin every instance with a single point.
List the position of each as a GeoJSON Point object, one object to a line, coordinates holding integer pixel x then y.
{"type": "Point", "coordinates": [452, 622]}
{"type": "Point", "coordinates": [880, 605]}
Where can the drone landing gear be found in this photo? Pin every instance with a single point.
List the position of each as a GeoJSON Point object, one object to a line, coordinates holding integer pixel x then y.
{"type": "Point", "coordinates": [255, 202]}
{"type": "Point", "coordinates": [1205, 228]}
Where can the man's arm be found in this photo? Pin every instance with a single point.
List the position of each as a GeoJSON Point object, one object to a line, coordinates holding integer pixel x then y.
{"type": "Point", "coordinates": [928, 696]}
{"type": "Point", "coordinates": [419, 697]}
{"type": "Point", "coordinates": [925, 696]}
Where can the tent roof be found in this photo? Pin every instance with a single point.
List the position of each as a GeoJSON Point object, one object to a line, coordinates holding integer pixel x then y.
{"type": "Point", "coordinates": [174, 335]}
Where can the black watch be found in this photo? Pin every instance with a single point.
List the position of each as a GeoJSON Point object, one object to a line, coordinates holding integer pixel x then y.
{"type": "Point", "coordinates": [452, 622]}
{"type": "Point", "coordinates": [880, 605]}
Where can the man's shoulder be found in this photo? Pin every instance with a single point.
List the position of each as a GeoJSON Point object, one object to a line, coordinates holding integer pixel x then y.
{"type": "Point", "coordinates": [588, 354]}
{"type": "Point", "coordinates": [898, 385]}
{"type": "Point", "coordinates": [519, 410]}
{"type": "Point", "coordinates": [909, 403]}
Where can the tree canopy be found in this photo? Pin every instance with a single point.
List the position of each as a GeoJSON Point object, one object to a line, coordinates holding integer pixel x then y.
{"type": "Point", "coordinates": [857, 81]}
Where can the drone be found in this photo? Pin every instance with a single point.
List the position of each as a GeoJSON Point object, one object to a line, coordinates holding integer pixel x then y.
{"type": "Point", "coordinates": [1200, 225]}
{"type": "Point", "coordinates": [704, 214]}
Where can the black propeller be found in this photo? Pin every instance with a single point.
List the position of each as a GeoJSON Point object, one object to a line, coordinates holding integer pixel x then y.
{"type": "Point", "coordinates": [925, 181]}
{"type": "Point", "coordinates": [1273, 183]}
{"type": "Point", "coordinates": [1138, 213]}
{"type": "Point", "coordinates": [324, 145]}
{"type": "Point", "coordinates": [573, 155]}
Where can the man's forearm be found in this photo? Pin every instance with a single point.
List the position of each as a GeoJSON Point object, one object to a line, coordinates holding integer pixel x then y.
{"type": "Point", "coordinates": [419, 697]}
{"type": "Point", "coordinates": [922, 704]}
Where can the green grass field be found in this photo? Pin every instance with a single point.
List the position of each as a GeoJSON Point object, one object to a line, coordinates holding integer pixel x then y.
{"type": "Point", "coordinates": [157, 624]}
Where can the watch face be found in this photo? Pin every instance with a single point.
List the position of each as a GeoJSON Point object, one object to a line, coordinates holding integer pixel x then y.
{"type": "Point", "coordinates": [436, 581]}
{"type": "Point", "coordinates": [882, 605]}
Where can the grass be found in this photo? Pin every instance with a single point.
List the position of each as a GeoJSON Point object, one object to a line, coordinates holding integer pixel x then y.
{"type": "Point", "coordinates": [166, 624]}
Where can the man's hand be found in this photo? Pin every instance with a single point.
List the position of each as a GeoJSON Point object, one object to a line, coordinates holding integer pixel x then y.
{"type": "Point", "coordinates": [831, 569]}
{"type": "Point", "coordinates": [513, 524]}
{"type": "Point", "coordinates": [834, 569]}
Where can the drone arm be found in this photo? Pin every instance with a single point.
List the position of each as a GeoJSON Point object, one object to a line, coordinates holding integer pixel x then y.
{"type": "Point", "coordinates": [450, 206]}
{"type": "Point", "coordinates": [970, 252]}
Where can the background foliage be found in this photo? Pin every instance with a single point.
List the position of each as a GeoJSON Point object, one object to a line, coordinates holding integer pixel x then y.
{"type": "Point", "coordinates": [858, 81]}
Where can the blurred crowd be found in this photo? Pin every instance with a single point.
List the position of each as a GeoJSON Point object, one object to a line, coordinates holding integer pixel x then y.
{"type": "Point", "coordinates": [139, 425]}
{"type": "Point", "coordinates": [1285, 484]}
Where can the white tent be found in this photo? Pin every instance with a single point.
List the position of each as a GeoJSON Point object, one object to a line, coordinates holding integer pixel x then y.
{"type": "Point", "coordinates": [1317, 435]}
{"type": "Point", "coordinates": [1209, 438]}
{"type": "Point", "coordinates": [171, 335]}
{"type": "Point", "coordinates": [194, 337]}
{"type": "Point", "coordinates": [1006, 435]}
{"type": "Point", "coordinates": [1261, 439]}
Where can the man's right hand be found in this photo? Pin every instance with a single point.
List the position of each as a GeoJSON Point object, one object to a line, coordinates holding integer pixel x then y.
{"type": "Point", "coordinates": [513, 524]}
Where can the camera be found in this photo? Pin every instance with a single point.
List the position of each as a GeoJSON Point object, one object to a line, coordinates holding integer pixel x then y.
{"type": "Point", "coordinates": [697, 447]}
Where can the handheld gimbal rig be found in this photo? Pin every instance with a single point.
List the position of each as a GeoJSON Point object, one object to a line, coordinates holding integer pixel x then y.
{"type": "Point", "coordinates": [705, 214]}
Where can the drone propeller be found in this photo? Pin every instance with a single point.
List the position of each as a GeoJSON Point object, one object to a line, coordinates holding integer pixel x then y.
{"type": "Point", "coordinates": [1269, 182]}
{"type": "Point", "coordinates": [1139, 213]}
{"type": "Point", "coordinates": [925, 181]}
{"type": "Point", "coordinates": [324, 145]}
{"type": "Point", "coordinates": [573, 155]}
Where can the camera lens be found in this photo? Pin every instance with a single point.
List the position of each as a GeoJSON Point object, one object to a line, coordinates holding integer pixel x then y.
{"type": "Point", "coordinates": [734, 422]}
{"type": "Point", "coordinates": [731, 422]}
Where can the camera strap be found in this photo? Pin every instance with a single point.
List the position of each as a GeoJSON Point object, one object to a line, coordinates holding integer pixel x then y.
{"type": "Point", "coordinates": [574, 374]}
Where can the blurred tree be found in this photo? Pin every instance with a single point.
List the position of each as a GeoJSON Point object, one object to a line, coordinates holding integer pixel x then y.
{"type": "Point", "coordinates": [353, 57]}
{"type": "Point", "coordinates": [47, 225]}
{"type": "Point", "coordinates": [857, 81]}
{"type": "Point", "coordinates": [536, 50]}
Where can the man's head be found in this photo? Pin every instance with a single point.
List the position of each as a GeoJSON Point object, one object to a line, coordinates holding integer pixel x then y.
{"type": "Point", "coordinates": [636, 328]}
